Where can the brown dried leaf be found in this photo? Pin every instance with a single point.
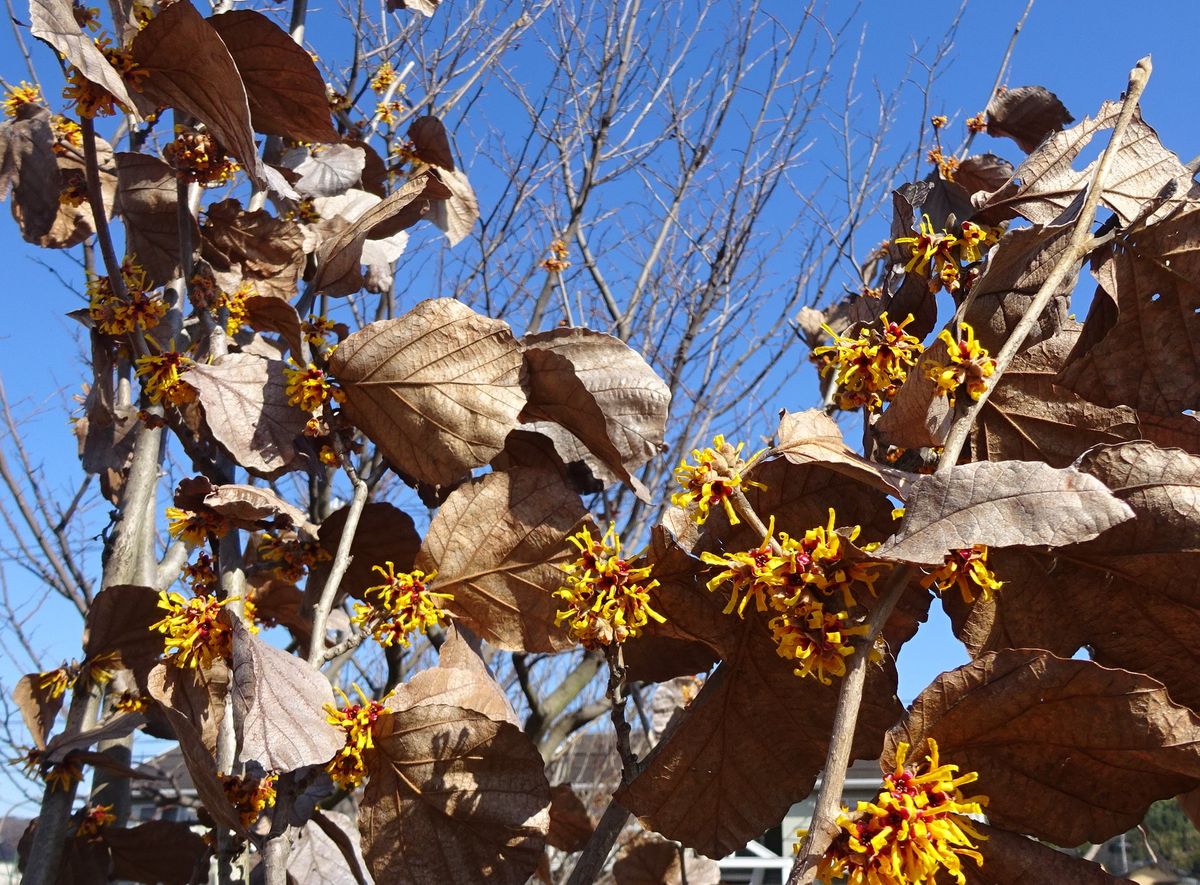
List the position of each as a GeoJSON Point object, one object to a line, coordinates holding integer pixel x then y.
{"type": "Point", "coordinates": [193, 706]}
{"type": "Point", "coordinates": [437, 389]}
{"type": "Point", "coordinates": [1045, 186]}
{"type": "Point", "coordinates": [331, 171]}
{"type": "Point", "coordinates": [385, 533]}
{"type": "Point", "coordinates": [496, 544]}
{"type": "Point", "coordinates": [251, 507]}
{"type": "Point", "coordinates": [76, 744]}
{"type": "Point", "coordinates": [340, 255]}
{"type": "Point", "coordinates": [54, 21]}
{"type": "Point", "coordinates": [431, 144]}
{"type": "Point", "coordinates": [156, 851]}
{"type": "Point", "coordinates": [1172, 431]}
{"type": "Point", "coordinates": [258, 248]}
{"type": "Point", "coordinates": [456, 214]}
{"type": "Point", "coordinates": [983, 172]}
{"type": "Point", "coordinates": [246, 408]}
{"type": "Point", "coordinates": [450, 777]}
{"type": "Point", "coordinates": [917, 417]}
{"type": "Point", "coordinates": [29, 170]}
{"type": "Point", "coordinates": [813, 437]}
{"type": "Point", "coordinates": [425, 7]}
{"type": "Point", "coordinates": [648, 859]}
{"type": "Point", "coordinates": [38, 708]}
{"type": "Point", "coordinates": [1028, 417]}
{"type": "Point", "coordinates": [1142, 358]}
{"type": "Point", "coordinates": [571, 826]}
{"type": "Point", "coordinates": [118, 624]}
{"type": "Point", "coordinates": [278, 702]}
{"type": "Point", "coordinates": [146, 199]}
{"type": "Point", "coordinates": [1066, 750]}
{"type": "Point", "coordinates": [190, 68]}
{"type": "Point", "coordinates": [1026, 114]}
{"type": "Point", "coordinates": [610, 401]}
{"type": "Point", "coordinates": [1018, 266]}
{"type": "Point", "coordinates": [285, 91]}
{"type": "Point", "coordinates": [266, 313]}
{"type": "Point", "coordinates": [1011, 859]}
{"type": "Point", "coordinates": [1002, 504]}
{"type": "Point", "coordinates": [461, 679]}
{"type": "Point", "coordinates": [324, 849]}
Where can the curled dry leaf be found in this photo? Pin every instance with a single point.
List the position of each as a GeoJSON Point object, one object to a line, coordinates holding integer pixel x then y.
{"type": "Point", "coordinates": [54, 22]}
{"type": "Point", "coordinates": [425, 7]}
{"type": "Point", "coordinates": [157, 851]}
{"type": "Point", "coordinates": [29, 171]}
{"type": "Point", "coordinates": [284, 89]}
{"type": "Point", "coordinates": [813, 437]}
{"type": "Point", "coordinates": [983, 172]}
{"type": "Point", "coordinates": [457, 213]}
{"type": "Point", "coordinates": [611, 403]}
{"type": "Point", "coordinates": [460, 679]}
{"type": "Point", "coordinates": [1140, 354]}
{"type": "Point", "coordinates": [453, 778]}
{"type": "Point", "coordinates": [496, 544]}
{"type": "Point", "coordinates": [570, 824]}
{"type": "Point", "coordinates": [247, 410]}
{"type": "Point", "coordinates": [431, 144]}
{"type": "Point", "coordinates": [1030, 418]}
{"type": "Point", "coordinates": [251, 507]}
{"type": "Point", "coordinates": [437, 389]}
{"type": "Point", "coordinates": [146, 200]}
{"type": "Point", "coordinates": [327, 172]}
{"type": "Point", "coordinates": [1066, 750]}
{"type": "Point", "coordinates": [252, 247]}
{"type": "Point", "coordinates": [648, 859]}
{"type": "Point", "coordinates": [265, 313]}
{"type": "Point", "coordinates": [1026, 114]}
{"type": "Point", "coordinates": [1002, 504]}
{"type": "Point", "coordinates": [385, 534]}
{"type": "Point", "coordinates": [39, 708]}
{"type": "Point", "coordinates": [76, 744]}
{"type": "Point", "coordinates": [189, 67]}
{"type": "Point", "coordinates": [1045, 187]}
{"type": "Point", "coordinates": [278, 702]}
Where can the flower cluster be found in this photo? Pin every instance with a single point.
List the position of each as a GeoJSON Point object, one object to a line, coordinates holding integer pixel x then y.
{"type": "Point", "coordinates": [807, 585]}
{"type": "Point", "coordinates": [56, 682]}
{"type": "Point", "coordinates": [130, 702]}
{"type": "Point", "coordinates": [249, 796]}
{"type": "Point", "coordinates": [978, 123]}
{"type": "Point", "coordinates": [197, 157]}
{"type": "Point", "coordinates": [917, 827]}
{"type": "Point", "coordinates": [941, 255]}
{"type": "Point", "coordinates": [868, 368]}
{"type": "Point", "coordinates": [120, 316]}
{"type": "Point", "coordinates": [318, 329]}
{"type": "Point", "coordinates": [557, 262]}
{"type": "Point", "coordinates": [968, 570]}
{"type": "Point", "coordinates": [194, 633]}
{"type": "Point", "coordinates": [160, 374]}
{"type": "Point", "coordinates": [968, 363]}
{"type": "Point", "coordinates": [21, 96]}
{"type": "Point", "coordinates": [310, 388]}
{"type": "Point", "coordinates": [201, 575]}
{"type": "Point", "coordinates": [62, 775]}
{"type": "Point", "coordinates": [196, 526]}
{"type": "Point", "coordinates": [402, 605]}
{"type": "Point", "coordinates": [607, 599]}
{"type": "Point", "coordinates": [293, 554]}
{"type": "Point", "coordinates": [96, 101]}
{"type": "Point", "coordinates": [385, 76]}
{"type": "Point", "coordinates": [95, 819]}
{"type": "Point", "coordinates": [361, 721]}
{"type": "Point", "coordinates": [713, 479]}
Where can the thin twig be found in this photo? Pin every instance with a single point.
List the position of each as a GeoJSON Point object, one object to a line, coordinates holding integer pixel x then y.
{"type": "Point", "coordinates": [341, 562]}
{"type": "Point", "coordinates": [850, 697]}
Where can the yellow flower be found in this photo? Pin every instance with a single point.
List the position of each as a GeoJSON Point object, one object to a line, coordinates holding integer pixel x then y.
{"type": "Point", "coordinates": [608, 601]}
{"type": "Point", "coordinates": [968, 570]}
{"type": "Point", "coordinates": [557, 262]}
{"type": "Point", "coordinates": [974, 237]}
{"type": "Point", "coordinates": [868, 369]}
{"type": "Point", "coordinates": [58, 776]}
{"type": "Point", "coordinates": [978, 123]}
{"type": "Point", "coordinates": [200, 574]}
{"type": "Point", "coordinates": [917, 827]}
{"type": "Point", "coordinates": [131, 702]}
{"type": "Point", "coordinates": [969, 364]}
{"type": "Point", "coordinates": [195, 527]}
{"type": "Point", "coordinates": [361, 722]}
{"type": "Point", "coordinates": [197, 157]}
{"type": "Point", "coordinates": [250, 796]}
{"type": "Point", "coordinates": [385, 76]}
{"type": "Point", "coordinates": [389, 111]}
{"type": "Point", "coordinates": [160, 377]}
{"type": "Point", "coordinates": [928, 245]}
{"type": "Point", "coordinates": [816, 639]}
{"type": "Point", "coordinates": [402, 605]}
{"type": "Point", "coordinates": [752, 573]}
{"type": "Point", "coordinates": [94, 101]}
{"type": "Point", "coordinates": [94, 820]}
{"type": "Point", "coordinates": [317, 330]}
{"type": "Point", "coordinates": [193, 630]}
{"type": "Point", "coordinates": [56, 682]}
{"type": "Point", "coordinates": [712, 479]}
{"type": "Point", "coordinates": [329, 456]}
{"type": "Point", "coordinates": [101, 669]}
{"type": "Point", "coordinates": [295, 556]}
{"type": "Point", "coordinates": [309, 388]}
{"type": "Point", "coordinates": [20, 96]}
{"type": "Point", "coordinates": [816, 564]}
{"type": "Point", "coordinates": [120, 316]}
{"type": "Point", "coordinates": [939, 121]}
{"type": "Point", "coordinates": [947, 166]}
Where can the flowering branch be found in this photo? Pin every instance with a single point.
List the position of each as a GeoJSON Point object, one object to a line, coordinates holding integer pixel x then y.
{"type": "Point", "coordinates": [837, 759]}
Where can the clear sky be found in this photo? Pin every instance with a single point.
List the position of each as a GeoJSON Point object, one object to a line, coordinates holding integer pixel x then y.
{"type": "Point", "coordinates": [1081, 51]}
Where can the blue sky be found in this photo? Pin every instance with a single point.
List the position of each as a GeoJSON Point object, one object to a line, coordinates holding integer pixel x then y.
{"type": "Point", "coordinates": [1082, 52]}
